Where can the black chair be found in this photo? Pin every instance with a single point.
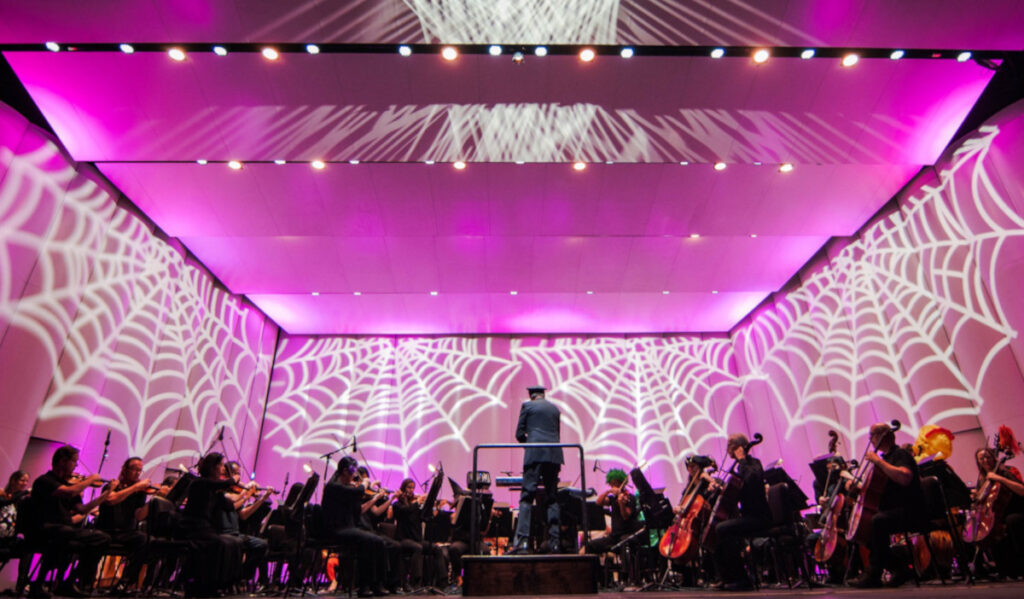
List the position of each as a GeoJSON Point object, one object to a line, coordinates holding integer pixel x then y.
{"type": "Point", "coordinates": [783, 542]}
{"type": "Point", "coordinates": [939, 518]}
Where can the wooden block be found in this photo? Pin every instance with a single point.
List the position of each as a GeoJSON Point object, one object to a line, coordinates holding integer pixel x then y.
{"type": "Point", "coordinates": [529, 575]}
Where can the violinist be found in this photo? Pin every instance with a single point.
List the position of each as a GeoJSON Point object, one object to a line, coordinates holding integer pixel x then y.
{"type": "Point", "coordinates": [120, 515]}
{"type": "Point", "coordinates": [57, 496]}
{"type": "Point", "coordinates": [375, 508]}
{"type": "Point", "coordinates": [11, 498]}
{"type": "Point", "coordinates": [1008, 550]}
{"type": "Point", "coordinates": [408, 512]}
{"type": "Point", "coordinates": [623, 507]}
{"type": "Point", "coordinates": [229, 518]}
{"type": "Point", "coordinates": [754, 517]}
{"type": "Point", "coordinates": [217, 560]}
{"type": "Point", "coordinates": [342, 508]}
{"type": "Point", "coordinates": [900, 508]}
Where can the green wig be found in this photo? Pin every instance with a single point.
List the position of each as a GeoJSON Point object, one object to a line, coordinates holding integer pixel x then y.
{"type": "Point", "coordinates": [615, 475]}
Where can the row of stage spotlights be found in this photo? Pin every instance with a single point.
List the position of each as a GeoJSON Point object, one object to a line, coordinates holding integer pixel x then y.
{"type": "Point", "coordinates": [785, 167]}
{"type": "Point", "coordinates": [586, 54]}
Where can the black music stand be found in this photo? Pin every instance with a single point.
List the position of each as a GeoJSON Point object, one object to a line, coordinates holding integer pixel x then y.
{"type": "Point", "coordinates": [794, 494]}
{"type": "Point", "coordinates": [657, 509]}
{"type": "Point", "coordinates": [179, 491]}
{"type": "Point", "coordinates": [957, 493]}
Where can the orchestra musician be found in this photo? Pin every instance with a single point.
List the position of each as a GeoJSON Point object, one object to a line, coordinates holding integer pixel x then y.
{"type": "Point", "coordinates": [343, 502]}
{"type": "Point", "coordinates": [57, 496]}
{"type": "Point", "coordinates": [11, 497]}
{"type": "Point", "coordinates": [408, 514]}
{"type": "Point", "coordinates": [900, 508]}
{"type": "Point", "coordinates": [119, 517]}
{"type": "Point", "coordinates": [539, 422]}
{"type": "Point", "coordinates": [1008, 550]}
{"type": "Point", "coordinates": [239, 508]}
{"type": "Point", "coordinates": [624, 513]}
{"type": "Point", "coordinates": [217, 562]}
{"type": "Point", "coordinates": [754, 517]}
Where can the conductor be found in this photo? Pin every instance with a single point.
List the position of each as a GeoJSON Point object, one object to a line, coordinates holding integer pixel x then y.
{"type": "Point", "coordinates": [539, 422]}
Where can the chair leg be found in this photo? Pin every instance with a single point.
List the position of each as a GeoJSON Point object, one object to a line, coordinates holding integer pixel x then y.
{"type": "Point", "coordinates": [913, 566]}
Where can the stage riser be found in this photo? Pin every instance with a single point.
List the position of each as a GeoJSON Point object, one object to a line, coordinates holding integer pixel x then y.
{"type": "Point", "coordinates": [530, 575]}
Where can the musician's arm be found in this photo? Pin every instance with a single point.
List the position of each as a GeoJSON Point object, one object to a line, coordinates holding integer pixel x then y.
{"type": "Point", "coordinates": [1013, 485]}
{"type": "Point", "coordinates": [901, 475]}
{"type": "Point", "coordinates": [521, 426]}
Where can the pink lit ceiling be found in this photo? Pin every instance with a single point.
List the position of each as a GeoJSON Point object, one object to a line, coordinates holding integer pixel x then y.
{"type": "Point", "coordinates": [644, 244]}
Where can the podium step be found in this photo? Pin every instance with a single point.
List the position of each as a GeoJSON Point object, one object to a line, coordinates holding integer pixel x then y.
{"type": "Point", "coordinates": [485, 575]}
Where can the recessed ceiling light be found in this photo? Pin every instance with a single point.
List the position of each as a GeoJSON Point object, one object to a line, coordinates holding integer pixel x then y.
{"type": "Point", "coordinates": [694, 235]}
{"type": "Point", "coordinates": [279, 162]}
{"type": "Point", "coordinates": [665, 292]}
{"type": "Point", "coordinates": [459, 165]}
{"type": "Point", "coordinates": [220, 50]}
{"type": "Point", "coordinates": [786, 167]}
{"type": "Point", "coordinates": [579, 166]}
{"type": "Point", "coordinates": [718, 53]}
{"type": "Point", "coordinates": [684, 163]}
{"type": "Point", "coordinates": [234, 165]}
{"type": "Point", "coordinates": [513, 293]}
{"type": "Point", "coordinates": [609, 162]}
{"type": "Point", "coordinates": [590, 293]}
{"type": "Point", "coordinates": [312, 48]}
{"type": "Point", "coordinates": [202, 161]}
{"type": "Point", "coordinates": [520, 162]}
{"type": "Point", "coordinates": [449, 53]}
{"type": "Point", "coordinates": [494, 50]}
{"type": "Point", "coordinates": [127, 48]}
{"type": "Point", "coordinates": [720, 166]}
{"type": "Point", "coordinates": [714, 291]}
{"type": "Point", "coordinates": [318, 165]}
{"type": "Point", "coordinates": [357, 293]}
{"type": "Point", "coordinates": [270, 53]}
{"type": "Point", "coordinates": [428, 162]}
{"type": "Point", "coordinates": [405, 50]}
{"type": "Point", "coordinates": [808, 53]}
{"type": "Point", "coordinates": [315, 293]}
{"type": "Point", "coordinates": [753, 235]}
{"type": "Point", "coordinates": [540, 51]}
{"type": "Point", "coordinates": [897, 54]}
{"type": "Point", "coordinates": [587, 54]}
{"type": "Point", "coordinates": [757, 163]}
{"type": "Point", "coordinates": [176, 54]}
{"type": "Point", "coordinates": [851, 59]}
{"type": "Point", "coordinates": [963, 57]}
{"type": "Point", "coordinates": [762, 55]}
{"type": "Point", "coordinates": [626, 52]}
{"type": "Point", "coordinates": [353, 161]}
{"type": "Point", "coordinates": [53, 46]}
{"type": "Point", "coordinates": [433, 293]}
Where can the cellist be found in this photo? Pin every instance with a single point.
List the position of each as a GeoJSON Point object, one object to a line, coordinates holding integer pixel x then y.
{"type": "Point", "coordinates": [901, 507]}
{"type": "Point", "coordinates": [754, 517]}
{"type": "Point", "coordinates": [1008, 550]}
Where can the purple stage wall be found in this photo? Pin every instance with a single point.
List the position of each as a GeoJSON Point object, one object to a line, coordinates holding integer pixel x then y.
{"type": "Point", "coordinates": [103, 324]}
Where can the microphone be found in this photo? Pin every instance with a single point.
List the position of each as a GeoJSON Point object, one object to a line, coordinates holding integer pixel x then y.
{"type": "Point", "coordinates": [355, 448]}
{"type": "Point", "coordinates": [107, 442]}
{"type": "Point", "coordinates": [595, 466]}
{"type": "Point", "coordinates": [220, 435]}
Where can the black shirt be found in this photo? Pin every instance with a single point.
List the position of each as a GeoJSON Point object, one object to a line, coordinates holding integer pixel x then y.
{"type": "Point", "coordinates": [620, 525]}
{"type": "Point", "coordinates": [53, 509]}
{"type": "Point", "coordinates": [205, 498]}
{"type": "Point", "coordinates": [342, 505]}
{"type": "Point", "coordinates": [121, 516]}
{"type": "Point", "coordinates": [408, 521]}
{"type": "Point", "coordinates": [897, 496]}
{"type": "Point", "coordinates": [753, 499]}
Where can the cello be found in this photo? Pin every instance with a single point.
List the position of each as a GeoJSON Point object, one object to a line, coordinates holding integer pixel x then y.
{"type": "Point", "coordinates": [834, 506]}
{"type": "Point", "coordinates": [678, 540]}
{"type": "Point", "coordinates": [872, 485]}
{"type": "Point", "coordinates": [727, 505]}
{"type": "Point", "coordinates": [985, 518]}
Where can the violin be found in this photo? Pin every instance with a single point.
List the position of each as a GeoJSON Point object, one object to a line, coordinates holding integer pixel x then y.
{"type": "Point", "coordinates": [76, 478]}
{"type": "Point", "coordinates": [872, 484]}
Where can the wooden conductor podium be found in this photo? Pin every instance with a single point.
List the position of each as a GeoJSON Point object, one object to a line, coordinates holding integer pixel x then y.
{"type": "Point", "coordinates": [553, 574]}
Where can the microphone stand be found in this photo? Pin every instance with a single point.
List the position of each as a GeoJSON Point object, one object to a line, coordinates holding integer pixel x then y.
{"type": "Point", "coordinates": [327, 463]}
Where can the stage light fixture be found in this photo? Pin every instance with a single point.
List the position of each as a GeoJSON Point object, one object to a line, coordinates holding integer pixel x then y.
{"type": "Point", "coordinates": [897, 54]}
{"type": "Point", "coordinates": [513, 293]}
{"type": "Point", "coordinates": [587, 54]}
{"type": "Point", "coordinates": [851, 59]}
{"type": "Point", "coordinates": [279, 162]}
{"type": "Point", "coordinates": [665, 292]}
{"type": "Point", "coordinates": [694, 235]}
{"type": "Point", "coordinates": [720, 166]}
{"type": "Point", "coordinates": [753, 235]}
{"type": "Point", "coordinates": [520, 162]}
{"type": "Point", "coordinates": [761, 56]}
{"type": "Point", "coordinates": [357, 293]}
{"type": "Point", "coordinates": [127, 48]}
{"type": "Point", "coordinates": [202, 161]}
{"type": "Point", "coordinates": [807, 54]}
{"type": "Point", "coordinates": [579, 166]}
{"type": "Point", "coordinates": [449, 53]}
{"type": "Point", "coordinates": [963, 57]}
{"type": "Point", "coordinates": [176, 54]}
{"type": "Point", "coordinates": [307, 468]}
{"type": "Point", "coordinates": [718, 53]}
{"type": "Point", "coordinates": [312, 48]}
{"type": "Point", "coordinates": [353, 161]}
{"type": "Point", "coordinates": [270, 53]}
{"type": "Point", "coordinates": [626, 52]}
{"type": "Point", "coordinates": [315, 294]}
{"type": "Point", "coordinates": [684, 163]}
{"type": "Point", "coordinates": [459, 165]}
{"type": "Point", "coordinates": [541, 51]}
{"type": "Point", "coordinates": [405, 50]}
{"type": "Point", "coordinates": [428, 162]}
{"type": "Point", "coordinates": [757, 164]}
{"type": "Point", "coordinates": [53, 46]}
{"type": "Point", "coordinates": [714, 292]}
{"type": "Point", "coordinates": [494, 50]}
{"type": "Point", "coordinates": [234, 165]}
{"type": "Point", "coordinates": [518, 58]}
{"type": "Point", "coordinates": [318, 165]}
{"type": "Point", "coordinates": [609, 162]}
{"type": "Point", "coordinates": [786, 167]}
{"type": "Point", "coordinates": [590, 292]}
{"type": "Point", "coordinates": [433, 293]}
{"type": "Point", "coordinates": [220, 50]}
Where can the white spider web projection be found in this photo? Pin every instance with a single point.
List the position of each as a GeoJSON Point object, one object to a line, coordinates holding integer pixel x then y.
{"type": "Point", "coordinates": [408, 401]}
{"type": "Point", "coordinates": [874, 335]}
{"type": "Point", "coordinates": [138, 341]}
{"type": "Point", "coordinates": [520, 21]}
